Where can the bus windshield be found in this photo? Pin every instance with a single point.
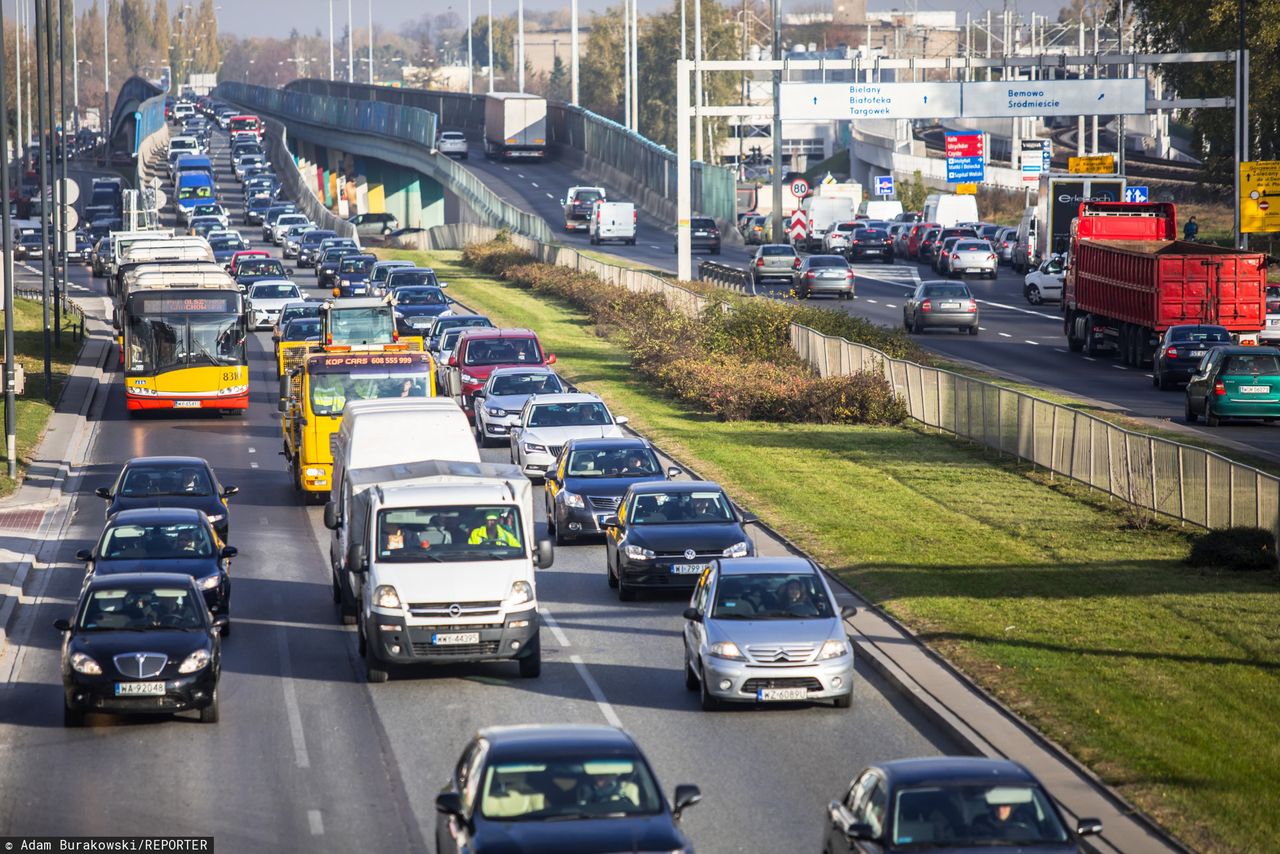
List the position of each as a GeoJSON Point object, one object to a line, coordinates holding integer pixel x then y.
{"type": "Point", "coordinates": [166, 342]}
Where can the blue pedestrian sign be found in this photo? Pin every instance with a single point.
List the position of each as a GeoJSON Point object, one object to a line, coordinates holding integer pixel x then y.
{"type": "Point", "coordinates": [1136, 194]}
{"type": "Point", "coordinates": [884, 185]}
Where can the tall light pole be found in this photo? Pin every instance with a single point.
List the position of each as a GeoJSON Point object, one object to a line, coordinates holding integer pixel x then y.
{"type": "Point", "coordinates": [471, 62]}
{"type": "Point", "coordinates": [1242, 115]}
{"type": "Point", "coordinates": [75, 67]}
{"type": "Point", "coordinates": [18, 34]}
{"type": "Point", "coordinates": [10, 422]}
{"type": "Point", "coordinates": [60, 279]}
{"type": "Point", "coordinates": [106, 83]}
{"type": "Point", "coordinates": [697, 78]}
{"type": "Point", "coordinates": [573, 53]}
{"type": "Point", "coordinates": [371, 42]}
{"type": "Point", "coordinates": [43, 53]}
{"type": "Point", "coordinates": [490, 38]}
{"type": "Point", "coordinates": [351, 45]}
{"type": "Point", "coordinates": [520, 45]}
{"type": "Point", "coordinates": [626, 63]}
{"type": "Point", "coordinates": [635, 65]}
{"type": "Point", "coordinates": [778, 236]}
{"type": "Point", "coordinates": [332, 70]}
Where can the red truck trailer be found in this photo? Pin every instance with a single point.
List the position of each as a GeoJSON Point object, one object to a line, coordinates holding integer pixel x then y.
{"type": "Point", "coordinates": [1129, 279]}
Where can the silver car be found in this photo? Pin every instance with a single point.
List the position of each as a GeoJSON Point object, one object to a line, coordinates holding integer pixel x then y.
{"type": "Point", "coordinates": [774, 261]}
{"type": "Point", "coordinates": [504, 396]}
{"type": "Point", "coordinates": [941, 303]}
{"type": "Point", "coordinates": [766, 630]}
{"type": "Point", "coordinates": [969, 257]}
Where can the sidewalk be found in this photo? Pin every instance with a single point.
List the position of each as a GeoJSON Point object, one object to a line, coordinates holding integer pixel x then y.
{"type": "Point", "coordinates": [28, 517]}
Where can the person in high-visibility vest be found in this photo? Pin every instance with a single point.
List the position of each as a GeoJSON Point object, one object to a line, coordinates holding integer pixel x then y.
{"type": "Point", "coordinates": [327, 396]}
{"type": "Point", "coordinates": [493, 534]}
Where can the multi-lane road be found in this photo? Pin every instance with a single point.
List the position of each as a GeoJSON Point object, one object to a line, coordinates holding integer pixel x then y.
{"type": "Point", "coordinates": [1018, 340]}
{"type": "Point", "coordinates": [308, 756]}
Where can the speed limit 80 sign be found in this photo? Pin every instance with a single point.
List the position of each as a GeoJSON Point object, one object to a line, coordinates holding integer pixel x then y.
{"type": "Point", "coordinates": [799, 188]}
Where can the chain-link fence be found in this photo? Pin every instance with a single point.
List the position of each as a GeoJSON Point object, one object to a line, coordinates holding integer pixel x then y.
{"type": "Point", "coordinates": [1157, 475]}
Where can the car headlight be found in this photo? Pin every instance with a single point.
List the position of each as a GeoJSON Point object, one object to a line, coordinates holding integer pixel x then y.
{"type": "Point", "coordinates": [194, 662]}
{"type": "Point", "coordinates": [521, 594]}
{"type": "Point", "coordinates": [209, 582]}
{"type": "Point", "coordinates": [467, 378]}
{"type": "Point", "coordinates": [738, 549]}
{"type": "Point", "coordinates": [385, 596]}
{"type": "Point", "coordinates": [217, 517]}
{"type": "Point", "coordinates": [572, 499]}
{"type": "Point", "coordinates": [82, 663]}
{"type": "Point", "coordinates": [495, 413]}
{"type": "Point", "coordinates": [637, 552]}
{"type": "Point", "coordinates": [533, 448]}
{"type": "Point", "coordinates": [833, 649]}
{"type": "Point", "coordinates": [313, 471]}
{"type": "Point", "coordinates": [727, 650]}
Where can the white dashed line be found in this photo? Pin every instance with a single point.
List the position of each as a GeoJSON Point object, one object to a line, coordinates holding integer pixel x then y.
{"type": "Point", "coordinates": [549, 196]}
{"type": "Point", "coordinates": [253, 450]}
{"type": "Point", "coordinates": [253, 465]}
{"type": "Point", "coordinates": [1029, 341]}
{"type": "Point", "coordinates": [561, 638]}
{"type": "Point", "coordinates": [1150, 376]}
{"type": "Point", "coordinates": [1120, 367]}
{"type": "Point", "coordinates": [316, 822]}
{"type": "Point", "coordinates": [889, 305]}
{"type": "Point", "coordinates": [1059, 350]}
{"type": "Point", "coordinates": [1090, 359]}
{"type": "Point", "coordinates": [291, 703]}
{"type": "Point", "coordinates": [606, 708]}
{"type": "Point", "coordinates": [508, 168]}
{"type": "Point", "coordinates": [534, 184]}
{"type": "Point", "coordinates": [873, 302]}
{"type": "Point", "coordinates": [1004, 334]}
{"type": "Point", "coordinates": [520, 176]}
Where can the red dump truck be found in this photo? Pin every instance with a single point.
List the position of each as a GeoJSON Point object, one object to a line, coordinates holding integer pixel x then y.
{"type": "Point", "coordinates": [1129, 279]}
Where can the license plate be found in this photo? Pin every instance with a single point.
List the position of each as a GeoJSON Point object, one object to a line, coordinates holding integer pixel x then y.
{"type": "Point", "coordinates": [139, 689]}
{"type": "Point", "coordinates": [456, 638]}
{"type": "Point", "coordinates": [1197, 352]}
{"type": "Point", "coordinates": [186, 404]}
{"type": "Point", "coordinates": [951, 305]}
{"type": "Point", "coordinates": [973, 269]}
{"type": "Point", "coordinates": [419, 322]}
{"type": "Point", "coordinates": [1273, 321]}
{"type": "Point", "coordinates": [782, 694]}
{"type": "Point", "coordinates": [1255, 389]}
{"type": "Point", "coordinates": [689, 568]}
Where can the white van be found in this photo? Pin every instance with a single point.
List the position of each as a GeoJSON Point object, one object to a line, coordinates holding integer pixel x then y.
{"type": "Point", "coordinates": [613, 221]}
{"type": "Point", "coordinates": [1025, 252]}
{"type": "Point", "coordinates": [949, 209]}
{"type": "Point", "coordinates": [881, 210]}
{"type": "Point", "coordinates": [821, 214]}
{"type": "Point", "coordinates": [441, 556]}
{"type": "Point", "coordinates": [389, 432]}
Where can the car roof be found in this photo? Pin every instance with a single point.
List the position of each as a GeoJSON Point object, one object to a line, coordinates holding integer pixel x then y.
{"type": "Point", "coordinates": [515, 741]}
{"type": "Point", "coordinates": [754, 565]}
{"type": "Point", "coordinates": [620, 443]}
{"type": "Point", "coordinates": [565, 397]}
{"type": "Point", "coordinates": [156, 515]}
{"type": "Point", "coordinates": [141, 579]}
{"type": "Point", "coordinates": [167, 461]}
{"type": "Point", "coordinates": [501, 372]}
{"type": "Point", "coordinates": [676, 486]}
{"type": "Point", "coordinates": [956, 769]}
{"type": "Point", "coordinates": [495, 332]}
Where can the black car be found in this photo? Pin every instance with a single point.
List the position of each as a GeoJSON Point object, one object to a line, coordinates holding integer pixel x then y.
{"type": "Point", "coordinates": [873, 243]}
{"type": "Point", "coordinates": [588, 480]}
{"type": "Point", "coordinates": [666, 534]}
{"type": "Point", "coordinates": [703, 234]}
{"type": "Point", "coordinates": [140, 643]}
{"type": "Point", "coordinates": [929, 246]}
{"type": "Point", "coordinates": [308, 245]}
{"type": "Point", "coordinates": [101, 257]}
{"type": "Point", "coordinates": [170, 482]}
{"type": "Point", "coordinates": [417, 307]}
{"type": "Point", "coordinates": [29, 247]}
{"type": "Point", "coordinates": [1181, 350]}
{"type": "Point", "coordinates": [452, 322]}
{"type": "Point", "coordinates": [226, 245]}
{"type": "Point", "coordinates": [949, 803]}
{"type": "Point", "coordinates": [352, 277]}
{"type": "Point", "coordinates": [328, 265]}
{"type": "Point", "coordinates": [557, 789]}
{"type": "Point", "coordinates": [180, 540]}
{"type": "Point", "coordinates": [251, 270]}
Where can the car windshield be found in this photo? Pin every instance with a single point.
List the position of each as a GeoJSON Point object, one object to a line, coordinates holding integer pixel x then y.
{"type": "Point", "coordinates": [200, 192]}
{"type": "Point", "coordinates": [260, 267]}
{"type": "Point", "coordinates": [826, 261]}
{"type": "Point", "coordinates": [516, 384]}
{"type": "Point", "coordinates": [158, 542]}
{"type": "Point", "coordinates": [450, 534]}
{"type": "Point", "coordinates": [333, 256]}
{"type": "Point", "coordinates": [30, 240]}
{"type": "Point", "coordinates": [307, 309]}
{"type": "Point", "coordinates": [274, 292]}
{"type": "Point", "coordinates": [870, 234]}
{"type": "Point", "coordinates": [668, 508]}
{"type": "Point", "coordinates": [135, 607]}
{"type": "Point", "coordinates": [700, 222]}
{"type": "Point", "coordinates": [449, 338]}
{"type": "Point", "coordinates": [224, 244]}
{"type": "Point", "coordinates": [331, 388]}
{"type": "Point", "coordinates": [503, 351]}
{"type": "Point", "coordinates": [568, 415]}
{"type": "Point", "coordinates": [399, 278]}
{"type": "Point", "coordinates": [302, 329]}
{"type": "Point", "coordinates": [968, 246]}
{"type": "Point", "coordinates": [972, 816]}
{"type": "Point", "coordinates": [771, 596]}
{"type": "Point", "coordinates": [146, 481]}
{"type": "Point", "coordinates": [420, 296]}
{"type": "Point", "coordinates": [313, 238]}
{"type": "Point", "coordinates": [1216, 335]}
{"type": "Point", "coordinates": [559, 790]}
{"type": "Point", "coordinates": [1253, 364]}
{"type": "Point", "coordinates": [613, 462]}
{"type": "Point", "coordinates": [946, 292]}
{"type": "Point", "coordinates": [357, 266]}
{"type": "Point", "coordinates": [778, 250]}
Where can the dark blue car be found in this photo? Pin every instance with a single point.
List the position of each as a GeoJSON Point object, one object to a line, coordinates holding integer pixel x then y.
{"type": "Point", "coordinates": [589, 479]}
{"type": "Point", "coordinates": [252, 270]}
{"type": "Point", "coordinates": [353, 275]}
{"type": "Point", "coordinates": [417, 307]}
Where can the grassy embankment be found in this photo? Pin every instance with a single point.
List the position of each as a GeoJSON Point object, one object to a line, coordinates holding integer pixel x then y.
{"type": "Point", "coordinates": [32, 410]}
{"type": "Point", "coordinates": [1160, 677]}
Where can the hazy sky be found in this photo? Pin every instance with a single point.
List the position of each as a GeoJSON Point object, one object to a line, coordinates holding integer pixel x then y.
{"type": "Point", "coordinates": [244, 17]}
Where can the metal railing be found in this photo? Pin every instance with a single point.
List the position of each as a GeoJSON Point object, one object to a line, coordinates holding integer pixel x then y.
{"type": "Point", "coordinates": [297, 186]}
{"type": "Point", "coordinates": [69, 306]}
{"type": "Point", "coordinates": [729, 278]}
{"type": "Point", "coordinates": [1157, 475]}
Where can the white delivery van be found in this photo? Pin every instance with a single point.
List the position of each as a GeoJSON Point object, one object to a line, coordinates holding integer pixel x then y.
{"type": "Point", "coordinates": [441, 557]}
{"type": "Point", "coordinates": [821, 214]}
{"type": "Point", "coordinates": [1024, 250]}
{"type": "Point", "coordinates": [949, 209]}
{"type": "Point", "coordinates": [881, 209]}
{"type": "Point", "coordinates": [613, 221]}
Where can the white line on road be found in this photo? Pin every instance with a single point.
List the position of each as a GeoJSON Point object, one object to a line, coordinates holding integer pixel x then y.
{"type": "Point", "coordinates": [594, 687]}
{"type": "Point", "coordinates": [549, 196]}
{"type": "Point", "coordinates": [651, 246]}
{"type": "Point", "coordinates": [873, 302]}
{"type": "Point", "coordinates": [1004, 334]}
{"type": "Point", "coordinates": [253, 450]}
{"type": "Point", "coordinates": [253, 465]}
{"type": "Point", "coordinates": [291, 703]}
{"type": "Point", "coordinates": [520, 176]}
{"type": "Point", "coordinates": [316, 822]}
{"type": "Point", "coordinates": [535, 183]}
{"type": "Point", "coordinates": [889, 305]}
{"type": "Point", "coordinates": [1150, 376]}
{"type": "Point", "coordinates": [1090, 359]}
{"type": "Point", "coordinates": [1059, 350]}
{"type": "Point", "coordinates": [1120, 367]}
{"type": "Point", "coordinates": [561, 638]}
{"type": "Point", "coordinates": [508, 168]}
{"type": "Point", "coordinates": [1029, 341]}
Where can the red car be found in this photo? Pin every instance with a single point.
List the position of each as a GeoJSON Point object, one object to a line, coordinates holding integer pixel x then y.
{"type": "Point", "coordinates": [917, 234]}
{"type": "Point", "coordinates": [480, 350]}
{"type": "Point", "coordinates": [243, 254]}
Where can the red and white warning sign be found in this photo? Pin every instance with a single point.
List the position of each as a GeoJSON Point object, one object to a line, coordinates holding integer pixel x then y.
{"type": "Point", "coordinates": [797, 228]}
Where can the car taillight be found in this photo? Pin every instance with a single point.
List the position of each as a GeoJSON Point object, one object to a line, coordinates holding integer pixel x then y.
{"type": "Point", "coordinates": [991, 256]}
{"type": "Point", "coordinates": [1171, 352]}
{"type": "Point", "coordinates": [854, 242]}
{"type": "Point", "coordinates": [795, 265]}
{"type": "Point", "coordinates": [1219, 389]}
{"type": "Point", "coordinates": [955, 256]}
{"type": "Point", "coordinates": [810, 275]}
{"type": "Point", "coordinates": [926, 306]}
{"type": "Point", "coordinates": [973, 306]}
{"type": "Point", "coordinates": [848, 274]}
{"type": "Point", "coordinates": [597, 216]}
{"type": "Point", "coordinates": [759, 262]}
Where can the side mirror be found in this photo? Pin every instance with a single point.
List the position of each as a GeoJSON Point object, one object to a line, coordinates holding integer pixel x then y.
{"type": "Point", "coordinates": [478, 394]}
{"type": "Point", "coordinates": [859, 831]}
{"type": "Point", "coordinates": [228, 491]}
{"type": "Point", "coordinates": [84, 554]}
{"type": "Point", "coordinates": [620, 420]}
{"type": "Point", "coordinates": [609, 522]}
{"type": "Point", "coordinates": [544, 556]}
{"type": "Point", "coordinates": [221, 622]}
{"type": "Point", "coordinates": [692, 614]}
{"type": "Point", "coordinates": [848, 612]}
{"type": "Point", "coordinates": [228, 552]}
{"type": "Point", "coordinates": [62, 625]}
{"type": "Point", "coordinates": [103, 492]}
{"type": "Point", "coordinates": [747, 518]}
{"type": "Point", "coordinates": [1089, 826]}
{"type": "Point", "coordinates": [449, 803]}
{"type": "Point", "coordinates": [551, 358]}
{"type": "Point", "coordinates": [673, 472]}
{"type": "Point", "coordinates": [686, 796]}
{"type": "Point", "coordinates": [356, 558]}
{"type": "Point", "coordinates": [332, 519]}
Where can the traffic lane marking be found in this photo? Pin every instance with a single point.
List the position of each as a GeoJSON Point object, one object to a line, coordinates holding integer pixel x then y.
{"type": "Point", "coordinates": [597, 693]}
{"type": "Point", "coordinates": [991, 303]}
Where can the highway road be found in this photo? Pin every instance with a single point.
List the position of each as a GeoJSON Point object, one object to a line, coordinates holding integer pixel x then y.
{"type": "Point", "coordinates": [308, 756]}
{"type": "Point", "coordinates": [1018, 340]}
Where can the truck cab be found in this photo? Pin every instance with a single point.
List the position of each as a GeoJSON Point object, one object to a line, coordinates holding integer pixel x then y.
{"type": "Point", "coordinates": [578, 203]}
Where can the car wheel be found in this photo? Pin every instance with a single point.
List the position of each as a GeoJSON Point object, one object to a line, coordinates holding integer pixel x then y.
{"type": "Point", "coordinates": [906, 324]}
{"type": "Point", "coordinates": [708, 701]}
{"type": "Point", "coordinates": [1211, 418]}
{"type": "Point", "coordinates": [973, 330]}
{"type": "Point", "coordinates": [844, 701]}
{"type": "Point", "coordinates": [691, 680]}
{"type": "Point", "coordinates": [226, 630]}
{"type": "Point", "coordinates": [374, 670]}
{"type": "Point", "coordinates": [209, 714]}
{"type": "Point", "coordinates": [1033, 295]}
{"type": "Point", "coordinates": [916, 326]}
{"type": "Point", "coordinates": [337, 588]}
{"type": "Point", "coordinates": [1189, 414]}
{"type": "Point", "coordinates": [626, 593]}
{"type": "Point", "coordinates": [72, 718]}
{"type": "Point", "coordinates": [531, 664]}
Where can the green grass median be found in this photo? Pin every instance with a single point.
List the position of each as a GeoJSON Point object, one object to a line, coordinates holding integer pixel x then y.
{"type": "Point", "coordinates": [1082, 618]}
{"type": "Point", "coordinates": [32, 410]}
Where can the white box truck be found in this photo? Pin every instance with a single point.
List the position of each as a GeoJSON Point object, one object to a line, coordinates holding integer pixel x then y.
{"type": "Point", "coordinates": [822, 213]}
{"type": "Point", "coordinates": [949, 209]}
{"type": "Point", "coordinates": [442, 557]}
{"type": "Point", "coordinates": [515, 126]}
{"type": "Point", "coordinates": [613, 221]}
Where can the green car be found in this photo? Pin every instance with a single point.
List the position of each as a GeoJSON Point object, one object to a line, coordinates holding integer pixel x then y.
{"type": "Point", "coordinates": [1235, 382]}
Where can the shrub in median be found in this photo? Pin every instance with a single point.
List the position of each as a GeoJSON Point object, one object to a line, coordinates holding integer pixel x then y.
{"type": "Point", "coordinates": [1242, 549]}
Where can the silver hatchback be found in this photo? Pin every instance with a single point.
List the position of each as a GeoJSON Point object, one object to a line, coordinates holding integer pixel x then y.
{"type": "Point", "coordinates": [766, 630]}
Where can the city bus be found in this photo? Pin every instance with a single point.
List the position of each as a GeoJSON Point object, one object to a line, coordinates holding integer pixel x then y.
{"type": "Point", "coordinates": [183, 343]}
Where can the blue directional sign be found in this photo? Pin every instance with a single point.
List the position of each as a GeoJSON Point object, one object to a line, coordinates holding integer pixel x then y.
{"type": "Point", "coordinates": [1136, 194]}
{"type": "Point", "coordinates": [884, 185]}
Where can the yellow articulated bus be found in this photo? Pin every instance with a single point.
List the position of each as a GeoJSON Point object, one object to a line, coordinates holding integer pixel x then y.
{"type": "Point", "coordinates": [314, 393]}
{"type": "Point", "coordinates": [182, 337]}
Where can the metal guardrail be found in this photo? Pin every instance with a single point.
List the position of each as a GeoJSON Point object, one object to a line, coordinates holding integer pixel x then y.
{"type": "Point", "coordinates": [69, 306]}
{"type": "Point", "coordinates": [296, 186]}
{"type": "Point", "coordinates": [730, 278]}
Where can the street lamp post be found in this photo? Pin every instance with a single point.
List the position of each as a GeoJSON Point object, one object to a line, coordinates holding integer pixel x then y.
{"type": "Point", "coordinates": [489, 27]}
{"type": "Point", "coordinates": [10, 421]}
{"type": "Point", "coordinates": [777, 124]}
{"type": "Point", "coordinates": [18, 34]}
{"type": "Point", "coordinates": [44, 79]}
{"type": "Point", "coordinates": [332, 73]}
{"type": "Point", "coordinates": [370, 42]}
{"type": "Point", "coordinates": [471, 64]}
{"type": "Point", "coordinates": [573, 53]}
{"type": "Point", "coordinates": [520, 44]}
{"type": "Point", "coordinates": [351, 42]}
{"type": "Point", "coordinates": [75, 67]}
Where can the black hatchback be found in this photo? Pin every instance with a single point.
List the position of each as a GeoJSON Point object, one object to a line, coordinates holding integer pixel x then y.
{"type": "Point", "coordinates": [557, 789]}
{"type": "Point", "coordinates": [1181, 350]}
{"type": "Point", "coordinates": [873, 243]}
{"type": "Point", "coordinates": [170, 482]}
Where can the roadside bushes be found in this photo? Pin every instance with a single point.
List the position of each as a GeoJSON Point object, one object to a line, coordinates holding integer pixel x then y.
{"type": "Point", "coordinates": [735, 361]}
{"type": "Point", "coordinates": [1240, 549]}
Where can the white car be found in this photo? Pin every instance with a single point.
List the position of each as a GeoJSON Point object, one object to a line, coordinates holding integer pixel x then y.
{"type": "Point", "coordinates": [500, 402]}
{"type": "Point", "coordinates": [1045, 282]}
{"type": "Point", "coordinates": [283, 223]}
{"type": "Point", "coordinates": [452, 143]}
{"type": "Point", "coordinates": [548, 421]}
{"type": "Point", "coordinates": [267, 298]}
{"type": "Point", "coordinates": [837, 238]}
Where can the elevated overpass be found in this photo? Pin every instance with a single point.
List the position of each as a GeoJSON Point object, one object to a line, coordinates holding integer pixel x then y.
{"type": "Point", "coordinates": [138, 113]}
